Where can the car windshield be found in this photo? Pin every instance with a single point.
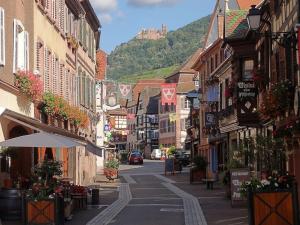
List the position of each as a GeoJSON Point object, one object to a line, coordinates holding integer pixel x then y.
{"type": "Point", "coordinates": [136, 154]}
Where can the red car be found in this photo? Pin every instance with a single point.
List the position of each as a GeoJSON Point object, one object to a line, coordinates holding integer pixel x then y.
{"type": "Point", "coordinates": [135, 158]}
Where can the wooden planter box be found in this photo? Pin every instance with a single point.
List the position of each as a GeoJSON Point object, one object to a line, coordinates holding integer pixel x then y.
{"type": "Point", "coordinates": [197, 175]}
{"type": "Point", "coordinates": [274, 208]}
{"type": "Point", "coordinates": [44, 212]}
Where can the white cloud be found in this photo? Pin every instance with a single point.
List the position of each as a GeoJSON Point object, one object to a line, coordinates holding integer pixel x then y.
{"type": "Point", "coordinates": [142, 3]}
{"type": "Point", "coordinates": [105, 18]}
{"type": "Point", "coordinates": [106, 9]}
{"type": "Point", "coordinates": [104, 6]}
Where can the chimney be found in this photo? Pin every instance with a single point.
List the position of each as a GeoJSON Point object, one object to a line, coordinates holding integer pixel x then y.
{"type": "Point", "coordinates": [226, 5]}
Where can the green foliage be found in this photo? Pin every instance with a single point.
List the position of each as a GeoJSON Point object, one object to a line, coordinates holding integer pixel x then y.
{"type": "Point", "coordinates": [114, 164]}
{"type": "Point", "coordinates": [48, 168]}
{"type": "Point", "coordinates": [137, 56]}
{"type": "Point", "coordinates": [157, 73]}
{"type": "Point", "coordinates": [172, 150]}
{"type": "Point", "coordinates": [200, 162]}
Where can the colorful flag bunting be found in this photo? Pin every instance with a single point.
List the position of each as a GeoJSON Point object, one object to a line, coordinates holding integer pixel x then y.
{"type": "Point", "coordinates": [168, 94]}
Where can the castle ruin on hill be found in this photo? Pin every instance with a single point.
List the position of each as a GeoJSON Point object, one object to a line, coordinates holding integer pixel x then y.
{"type": "Point", "coordinates": [152, 34]}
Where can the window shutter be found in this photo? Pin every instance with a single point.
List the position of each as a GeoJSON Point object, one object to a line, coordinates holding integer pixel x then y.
{"type": "Point", "coordinates": [66, 20]}
{"type": "Point", "coordinates": [67, 85]}
{"type": "Point", "coordinates": [15, 55]}
{"type": "Point", "coordinates": [61, 79]}
{"type": "Point", "coordinates": [40, 57]}
{"type": "Point", "coordinates": [62, 16]}
{"type": "Point", "coordinates": [50, 71]}
{"type": "Point", "coordinates": [2, 37]}
{"type": "Point", "coordinates": [47, 70]}
{"type": "Point", "coordinates": [26, 50]}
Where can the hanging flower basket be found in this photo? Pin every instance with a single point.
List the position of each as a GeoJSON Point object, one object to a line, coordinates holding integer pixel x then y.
{"type": "Point", "coordinates": [278, 99]}
{"type": "Point", "coordinates": [72, 42]}
{"type": "Point", "coordinates": [29, 84]}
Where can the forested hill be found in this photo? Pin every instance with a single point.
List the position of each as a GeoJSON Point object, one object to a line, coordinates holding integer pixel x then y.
{"type": "Point", "coordinates": [137, 56]}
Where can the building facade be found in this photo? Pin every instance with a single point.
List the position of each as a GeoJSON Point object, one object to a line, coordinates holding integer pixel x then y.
{"type": "Point", "coordinates": [54, 42]}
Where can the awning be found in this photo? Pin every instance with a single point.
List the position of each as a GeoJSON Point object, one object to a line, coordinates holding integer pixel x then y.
{"type": "Point", "coordinates": [42, 139]}
{"type": "Point", "coordinates": [62, 137]}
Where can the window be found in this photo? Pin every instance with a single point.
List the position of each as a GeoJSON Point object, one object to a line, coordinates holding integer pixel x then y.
{"type": "Point", "coordinates": [21, 47]}
{"type": "Point", "coordinates": [187, 103]}
{"type": "Point", "coordinates": [2, 37]}
{"type": "Point", "coordinates": [55, 73]}
{"type": "Point", "coordinates": [248, 65]}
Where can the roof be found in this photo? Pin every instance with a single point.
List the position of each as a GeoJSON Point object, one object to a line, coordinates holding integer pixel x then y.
{"type": "Point", "coordinates": [117, 112]}
{"type": "Point", "coordinates": [246, 4]}
{"type": "Point", "coordinates": [236, 24]}
{"type": "Point", "coordinates": [185, 87]}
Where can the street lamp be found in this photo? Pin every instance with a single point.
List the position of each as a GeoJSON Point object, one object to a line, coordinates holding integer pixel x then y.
{"type": "Point", "coordinates": [254, 18]}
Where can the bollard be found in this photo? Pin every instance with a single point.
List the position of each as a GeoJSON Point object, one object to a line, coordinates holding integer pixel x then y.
{"type": "Point", "coordinates": [95, 196]}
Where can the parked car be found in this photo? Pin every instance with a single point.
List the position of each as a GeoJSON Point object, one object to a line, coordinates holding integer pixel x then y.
{"type": "Point", "coordinates": [156, 154]}
{"type": "Point", "coordinates": [183, 157]}
{"type": "Point", "coordinates": [135, 158]}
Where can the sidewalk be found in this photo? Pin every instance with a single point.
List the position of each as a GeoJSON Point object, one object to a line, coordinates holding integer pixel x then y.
{"type": "Point", "coordinates": [108, 194]}
{"type": "Point", "coordinates": [216, 207]}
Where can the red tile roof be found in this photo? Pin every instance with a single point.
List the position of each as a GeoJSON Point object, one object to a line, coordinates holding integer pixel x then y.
{"type": "Point", "coordinates": [246, 4]}
{"type": "Point", "coordinates": [236, 24]}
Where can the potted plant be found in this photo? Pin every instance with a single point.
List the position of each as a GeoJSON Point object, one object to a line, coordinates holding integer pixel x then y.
{"type": "Point", "coordinates": [272, 200]}
{"type": "Point", "coordinates": [43, 201]}
{"type": "Point", "coordinates": [111, 169]}
{"type": "Point", "coordinates": [198, 170]}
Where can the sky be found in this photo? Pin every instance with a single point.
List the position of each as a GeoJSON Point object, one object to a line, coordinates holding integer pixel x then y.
{"type": "Point", "coordinates": [121, 20]}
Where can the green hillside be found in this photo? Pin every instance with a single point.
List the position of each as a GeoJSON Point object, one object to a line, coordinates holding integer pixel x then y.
{"type": "Point", "coordinates": [133, 58]}
{"type": "Point", "coordinates": [157, 73]}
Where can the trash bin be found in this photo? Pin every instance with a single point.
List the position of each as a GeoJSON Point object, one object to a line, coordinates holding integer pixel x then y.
{"type": "Point", "coordinates": [95, 196]}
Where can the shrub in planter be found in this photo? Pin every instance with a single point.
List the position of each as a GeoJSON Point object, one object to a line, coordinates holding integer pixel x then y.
{"type": "Point", "coordinates": [272, 200]}
{"type": "Point", "coordinates": [111, 169]}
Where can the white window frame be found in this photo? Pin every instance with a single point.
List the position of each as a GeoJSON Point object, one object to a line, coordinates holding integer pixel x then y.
{"type": "Point", "coordinates": [21, 50]}
{"type": "Point", "coordinates": [2, 37]}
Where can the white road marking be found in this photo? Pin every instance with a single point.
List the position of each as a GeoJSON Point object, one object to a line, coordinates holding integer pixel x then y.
{"type": "Point", "coordinates": [231, 219]}
{"type": "Point", "coordinates": [146, 204]}
{"type": "Point", "coordinates": [129, 179]}
{"type": "Point", "coordinates": [114, 209]}
{"type": "Point", "coordinates": [171, 210]}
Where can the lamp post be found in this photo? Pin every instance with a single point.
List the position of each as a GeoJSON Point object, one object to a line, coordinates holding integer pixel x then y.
{"type": "Point", "coordinates": [255, 20]}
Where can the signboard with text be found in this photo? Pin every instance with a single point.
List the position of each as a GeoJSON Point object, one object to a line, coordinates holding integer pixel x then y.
{"type": "Point", "coordinates": [237, 177]}
{"type": "Point", "coordinates": [210, 119]}
{"type": "Point", "coordinates": [247, 103]}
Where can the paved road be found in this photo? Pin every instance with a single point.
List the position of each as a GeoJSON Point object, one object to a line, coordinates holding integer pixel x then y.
{"type": "Point", "coordinates": [148, 198]}
{"type": "Point", "coordinates": [149, 167]}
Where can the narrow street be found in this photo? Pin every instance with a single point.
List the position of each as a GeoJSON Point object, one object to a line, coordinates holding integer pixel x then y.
{"type": "Point", "coordinates": [146, 197]}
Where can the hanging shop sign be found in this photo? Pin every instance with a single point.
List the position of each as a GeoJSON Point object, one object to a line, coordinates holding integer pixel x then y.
{"type": "Point", "coordinates": [168, 94]}
{"type": "Point", "coordinates": [125, 91]}
{"type": "Point", "coordinates": [210, 119]}
{"type": "Point", "coordinates": [106, 127]}
{"type": "Point", "coordinates": [247, 104]}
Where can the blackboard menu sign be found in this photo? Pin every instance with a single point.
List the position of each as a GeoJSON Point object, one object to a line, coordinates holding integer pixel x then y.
{"type": "Point", "coordinates": [169, 166]}
{"type": "Point", "coordinates": [238, 176]}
